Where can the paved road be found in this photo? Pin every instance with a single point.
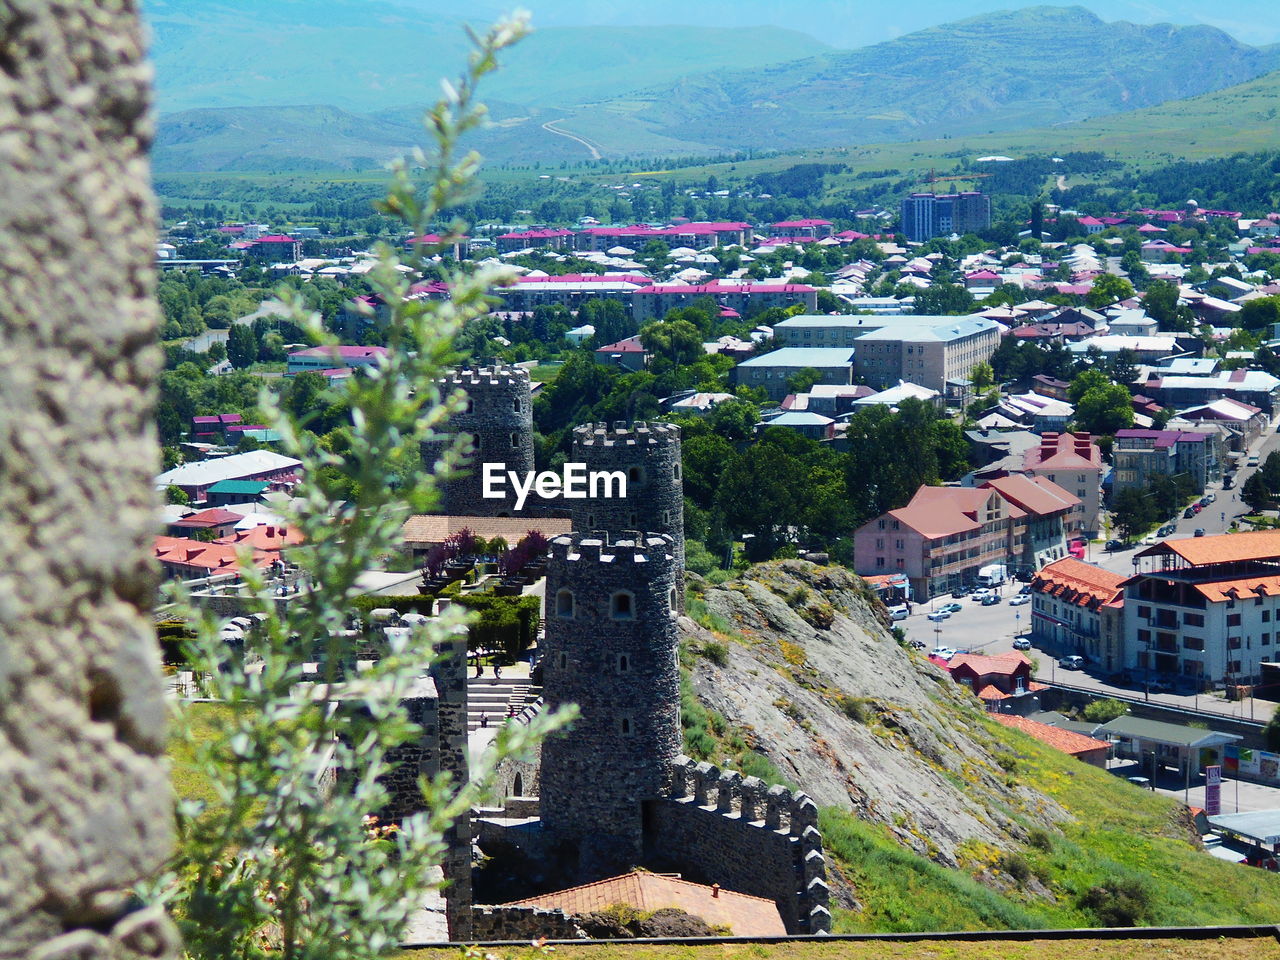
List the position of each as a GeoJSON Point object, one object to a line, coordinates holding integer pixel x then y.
{"type": "Point", "coordinates": [204, 341]}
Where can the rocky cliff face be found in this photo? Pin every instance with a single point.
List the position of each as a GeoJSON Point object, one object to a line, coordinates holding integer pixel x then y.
{"type": "Point", "coordinates": [803, 661]}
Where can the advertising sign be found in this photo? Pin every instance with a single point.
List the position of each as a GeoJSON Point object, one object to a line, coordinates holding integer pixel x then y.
{"type": "Point", "coordinates": [1212, 790]}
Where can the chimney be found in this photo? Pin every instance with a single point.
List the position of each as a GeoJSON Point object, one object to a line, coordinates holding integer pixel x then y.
{"type": "Point", "coordinates": [715, 891]}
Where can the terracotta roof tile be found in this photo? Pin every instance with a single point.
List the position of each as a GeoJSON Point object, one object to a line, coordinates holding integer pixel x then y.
{"type": "Point", "coordinates": [746, 916]}
{"type": "Point", "coordinates": [1065, 740]}
{"type": "Point", "coordinates": [1223, 548]}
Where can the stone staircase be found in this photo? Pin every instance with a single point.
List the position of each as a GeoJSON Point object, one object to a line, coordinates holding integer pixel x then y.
{"type": "Point", "coordinates": [495, 700]}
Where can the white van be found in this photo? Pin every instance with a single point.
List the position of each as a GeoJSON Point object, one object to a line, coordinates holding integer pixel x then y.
{"type": "Point", "coordinates": [898, 613]}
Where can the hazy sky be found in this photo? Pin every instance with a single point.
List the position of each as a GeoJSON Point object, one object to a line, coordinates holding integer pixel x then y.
{"type": "Point", "coordinates": [852, 23]}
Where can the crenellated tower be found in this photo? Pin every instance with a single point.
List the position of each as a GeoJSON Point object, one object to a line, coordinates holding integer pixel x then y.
{"type": "Point", "coordinates": [498, 420]}
{"type": "Point", "coordinates": [611, 648]}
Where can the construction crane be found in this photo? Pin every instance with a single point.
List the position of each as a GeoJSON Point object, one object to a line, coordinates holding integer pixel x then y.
{"type": "Point", "coordinates": [934, 178]}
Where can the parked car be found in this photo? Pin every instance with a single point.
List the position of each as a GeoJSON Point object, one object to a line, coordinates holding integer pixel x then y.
{"type": "Point", "coordinates": [1167, 530]}
{"type": "Point", "coordinates": [940, 615]}
{"type": "Point", "coordinates": [897, 613]}
{"type": "Point", "coordinates": [990, 600]}
{"type": "Point", "coordinates": [1207, 499]}
{"type": "Point", "coordinates": [1020, 599]}
{"type": "Point", "coordinates": [1115, 544]}
{"type": "Point", "coordinates": [980, 593]}
{"type": "Point", "coordinates": [951, 608]}
{"type": "Point", "coordinates": [1199, 531]}
{"type": "Point", "coordinates": [943, 653]}
{"type": "Point", "coordinates": [1022, 643]}
{"type": "Point", "coordinates": [959, 593]}
{"type": "Point", "coordinates": [1228, 482]}
{"type": "Point", "coordinates": [1188, 513]}
{"type": "Point", "coordinates": [1071, 663]}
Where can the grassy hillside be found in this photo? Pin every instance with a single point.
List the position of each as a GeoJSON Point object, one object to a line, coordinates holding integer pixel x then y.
{"type": "Point", "coordinates": [935, 817]}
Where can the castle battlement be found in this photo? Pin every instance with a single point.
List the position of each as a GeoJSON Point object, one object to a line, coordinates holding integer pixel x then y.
{"type": "Point", "coordinates": [601, 546]}
{"type": "Point", "coordinates": [499, 375]}
{"type": "Point", "coordinates": [755, 819]}
{"type": "Point", "coordinates": [623, 433]}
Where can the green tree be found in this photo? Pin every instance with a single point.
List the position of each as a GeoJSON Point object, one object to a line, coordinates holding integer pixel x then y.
{"type": "Point", "coordinates": [943, 299]}
{"type": "Point", "coordinates": [1104, 410]}
{"type": "Point", "coordinates": [1102, 711]}
{"type": "Point", "coordinates": [176, 495]}
{"type": "Point", "coordinates": [1256, 493]}
{"type": "Point", "coordinates": [1260, 314]}
{"type": "Point", "coordinates": [1132, 512]}
{"type": "Point", "coordinates": [672, 343]}
{"type": "Point", "coordinates": [1108, 289]}
{"type": "Point", "coordinates": [982, 376]}
{"type": "Point", "coordinates": [242, 346]}
{"type": "Point", "coordinates": [1084, 382]}
{"type": "Point", "coordinates": [734, 419]}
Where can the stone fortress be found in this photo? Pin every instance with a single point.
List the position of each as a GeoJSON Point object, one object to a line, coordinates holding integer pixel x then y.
{"type": "Point", "coordinates": [614, 792]}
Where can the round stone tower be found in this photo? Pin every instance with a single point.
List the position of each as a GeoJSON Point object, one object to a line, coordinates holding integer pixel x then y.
{"type": "Point", "coordinates": [611, 644]}
{"type": "Point", "coordinates": [648, 455]}
{"type": "Point", "coordinates": [498, 419]}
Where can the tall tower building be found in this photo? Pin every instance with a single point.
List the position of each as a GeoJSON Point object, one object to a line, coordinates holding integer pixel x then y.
{"type": "Point", "coordinates": [498, 420]}
{"type": "Point", "coordinates": [648, 455]}
{"type": "Point", "coordinates": [611, 646]}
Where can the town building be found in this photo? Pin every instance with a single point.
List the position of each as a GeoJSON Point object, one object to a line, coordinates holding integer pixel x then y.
{"type": "Point", "coordinates": [195, 479]}
{"type": "Point", "coordinates": [1254, 387]}
{"type": "Point", "coordinates": [1086, 749]}
{"type": "Point", "coordinates": [748, 297]}
{"type": "Point", "coordinates": [770, 371]}
{"type": "Point", "coordinates": [629, 354]}
{"type": "Point", "coordinates": [1138, 456]}
{"type": "Point", "coordinates": [534, 239]}
{"type": "Point", "coordinates": [1202, 611]}
{"type": "Point", "coordinates": [333, 357]}
{"type": "Point", "coordinates": [1074, 462]}
{"type": "Point", "coordinates": [1003, 682]}
{"type": "Point", "coordinates": [1157, 745]}
{"type": "Point", "coordinates": [822, 330]}
{"type": "Point", "coordinates": [929, 215]}
{"type": "Point", "coordinates": [945, 535]}
{"type": "Point", "coordinates": [1078, 609]}
{"type": "Point", "coordinates": [571, 290]}
{"type": "Point", "coordinates": [928, 350]}
{"type": "Point", "coordinates": [274, 248]}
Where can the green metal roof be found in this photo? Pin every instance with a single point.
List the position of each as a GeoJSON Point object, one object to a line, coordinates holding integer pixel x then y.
{"type": "Point", "coordinates": [1170, 733]}
{"type": "Point", "coordinates": [239, 486]}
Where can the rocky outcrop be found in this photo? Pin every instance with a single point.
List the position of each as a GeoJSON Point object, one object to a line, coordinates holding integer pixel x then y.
{"type": "Point", "coordinates": [810, 671]}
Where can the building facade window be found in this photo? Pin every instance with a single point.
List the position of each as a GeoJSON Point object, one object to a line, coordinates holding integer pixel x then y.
{"type": "Point", "coordinates": [622, 605]}
{"type": "Point", "coordinates": [564, 604]}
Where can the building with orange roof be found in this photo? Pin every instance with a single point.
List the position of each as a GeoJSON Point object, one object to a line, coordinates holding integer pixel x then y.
{"type": "Point", "coordinates": [744, 915]}
{"type": "Point", "coordinates": [184, 559]}
{"type": "Point", "coordinates": [1078, 608]}
{"type": "Point", "coordinates": [265, 537]}
{"type": "Point", "coordinates": [1003, 682]}
{"type": "Point", "coordinates": [1204, 610]}
{"type": "Point", "coordinates": [945, 535]}
{"type": "Point", "coordinates": [1091, 751]}
{"type": "Point", "coordinates": [1074, 462]}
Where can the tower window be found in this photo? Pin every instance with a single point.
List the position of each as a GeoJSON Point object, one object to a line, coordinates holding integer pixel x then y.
{"type": "Point", "coordinates": [671, 600]}
{"type": "Point", "coordinates": [564, 604]}
{"type": "Point", "coordinates": [622, 606]}
{"type": "Point", "coordinates": [515, 440]}
{"type": "Point", "coordinates": [591, 520]}
{"type": "Point", "coordinates": [563, 661]}
{"type": "Point", "coordinates": [635, 475]}
{"type": "Point", "coordinates": [631, 519]}
{"type": "Point", "coordinates": [515, 405]}
{"type": "Point", "coordinates": [676, 471]}
{"type": "Point", "coordinates": [471, 405]}
{"type": "Point", "coordinates": [624, 663]}
{"type": "Point", "coordinates": [624, 726]}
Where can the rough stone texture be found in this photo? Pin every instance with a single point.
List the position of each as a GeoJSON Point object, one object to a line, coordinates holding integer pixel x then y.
{"type": "Point", "coordinates": [622, 673]}
{"type": "Point", "coordinates": [85, 807]}
{"type": "Point", "coordinates": [522, 923]}
{"type": "Point", "coordinates": [649, 454]}
{"type": "Point", "coordinates": [719, 827]}
{"type": "Point", "coordinates": [498, 419]}
{"type": "Point", "coordinates": [826, 693]}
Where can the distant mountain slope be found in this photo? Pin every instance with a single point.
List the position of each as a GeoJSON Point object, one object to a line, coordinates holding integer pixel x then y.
{"type": "Point", "coordinates": [368, 55]}
{"type": "Point", "coordinates": [1030, 67]}
{"type": "Point", "coordinates": [311, 138]}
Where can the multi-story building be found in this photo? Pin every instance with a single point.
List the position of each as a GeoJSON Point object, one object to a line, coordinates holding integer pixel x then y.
{"type": "Point", "coordinates": [697, 235]}
{"type": "Point", "coordinates": [1254, 387]}
{"type": "Point", "coordinates": [945, 535]}
{"type": "Point", "coordinates": [929, 215]}
{"type": "Point", "coordinates": [770, 371]}
{"type": "Point", "coordinates": [1204, 610]}
{"type": "Point", "coordinates": [571, 290]}
{"type": "Point", "coordinates": [1138, 456]}
{"type": "Point", "coordinates": [275, 248]}
{"type": "Point", "coordinates": [1074, 462]}
{"type": "Point", "coordinates": [1077, 608]}
{"type": "Point", "coordinates": [531, 239]}
{"type": "Point", "coordinates": [928, 350]}
{"type": "Point", "coordinates": [809, 227]}
{"type": "Point", "coordinates": [824, 330]}
{"type": "Point", "coordinates": [748, 297]}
